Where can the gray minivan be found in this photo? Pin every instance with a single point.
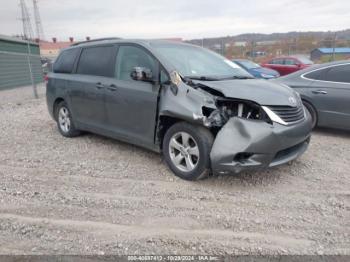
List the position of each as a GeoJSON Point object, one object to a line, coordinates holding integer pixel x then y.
{"type": "Point", "coordinates": [203, 112]}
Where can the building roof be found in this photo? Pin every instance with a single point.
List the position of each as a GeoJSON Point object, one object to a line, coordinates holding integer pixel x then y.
{"type": "Point", "coordinates": [15, 40]}
{"type": "Point", "coordinates": [54, 45]}
{"type": "Point", "coordinates": [338, 50]}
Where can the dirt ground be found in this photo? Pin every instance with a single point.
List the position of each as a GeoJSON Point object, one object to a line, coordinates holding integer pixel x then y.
{"type": "Point", "coordinates": [94, 195]}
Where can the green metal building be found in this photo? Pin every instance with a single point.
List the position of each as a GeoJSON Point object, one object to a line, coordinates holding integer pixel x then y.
{"type": "Point", "coordinates": [15, 57]}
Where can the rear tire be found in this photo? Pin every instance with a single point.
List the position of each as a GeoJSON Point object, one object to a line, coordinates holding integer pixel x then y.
{"type": "Point", "coordinates": [186, 149]}
{"type": "Point", "coordinates": [312, 112]}
{"type": "Point", "coordinates": [65, 121]}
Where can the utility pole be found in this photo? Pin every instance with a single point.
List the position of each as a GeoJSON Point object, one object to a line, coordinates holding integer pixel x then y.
{"type": "Point", "coordinates": [289, 46]}
{"type": "Point", "coordinates": [333, 45]}
{"type": "Point", "coordinates": [26, 24]}
{"type": "Point", "coordinates": [28, 36]}
{"type": "Point", "coordinates": [222, 47]}
{"type": "Point", "coordinates": [252, 51]}
{"type": "Point", "coordinates": [38, 25]}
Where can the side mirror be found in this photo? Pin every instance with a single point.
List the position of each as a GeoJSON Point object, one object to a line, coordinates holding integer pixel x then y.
{"type": "Point", "coordinates": [141, 74]}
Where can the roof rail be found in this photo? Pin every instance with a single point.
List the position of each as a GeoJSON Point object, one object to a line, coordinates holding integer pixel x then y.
{"type": "Point", "coordinates": [96, 40]}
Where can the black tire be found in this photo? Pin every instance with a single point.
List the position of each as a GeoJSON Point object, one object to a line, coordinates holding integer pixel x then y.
{"type": "Point", "coordinates": [202, 138]}
{"type": "Point", "coordinates": [71, 131]}
{"type": "Point", "coordinates": [312, 112]}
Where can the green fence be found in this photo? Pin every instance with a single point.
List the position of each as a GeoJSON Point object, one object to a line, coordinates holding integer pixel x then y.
{"type": "Point", "coordinates": [14, 65]}
{"type": "Point", "coordinates": [18, 46]}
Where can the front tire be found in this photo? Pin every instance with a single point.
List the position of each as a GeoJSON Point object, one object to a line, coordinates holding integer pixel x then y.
{"type": "Point", "coordinates": [312, 112]}
{"type": "Point", "coordinates": [186, 149]}
{"type": "Point", "coordinates": [65, 121]}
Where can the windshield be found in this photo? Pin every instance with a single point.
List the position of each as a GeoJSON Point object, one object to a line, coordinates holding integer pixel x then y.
{"type": "Point", "coordinates": [249, 64]}
{"type": "Point", "coordinates": [199, 63]}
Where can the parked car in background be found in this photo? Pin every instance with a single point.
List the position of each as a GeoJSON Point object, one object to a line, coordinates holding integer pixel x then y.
{"type": "Point", "coordinates": [255, 53]}
{"type": "Point", "coordinates": [255, 69]}
{"type": "Point", "coordinates": [202, 111]}
{"type": "Point", "coordinates": [46, 65]}
{"type": "Point", "coordinates": [287, 65]}
{"type": "Point", "coordinates": [325, 91]}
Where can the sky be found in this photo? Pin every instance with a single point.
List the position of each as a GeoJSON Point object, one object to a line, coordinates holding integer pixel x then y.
{"type": "Point", "coordinates": [186, 19]}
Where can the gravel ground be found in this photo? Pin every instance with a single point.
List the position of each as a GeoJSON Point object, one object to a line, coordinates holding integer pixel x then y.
{"type": "Point", "coordinates": [94, 195]}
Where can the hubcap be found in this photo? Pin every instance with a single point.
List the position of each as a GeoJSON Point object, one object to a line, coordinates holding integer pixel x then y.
{"type": "Point", "coordinates": [184, 152]}
{"type": "Point", "coordinates": [64, 119]}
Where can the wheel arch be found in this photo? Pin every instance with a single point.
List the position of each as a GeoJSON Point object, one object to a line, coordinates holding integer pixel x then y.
{"type": "Point", "coordinates": [57, 101]}
{"type": "Point", "coordinates": [307, 101]}
{"type": "Point", "coordinates": [164, 123]}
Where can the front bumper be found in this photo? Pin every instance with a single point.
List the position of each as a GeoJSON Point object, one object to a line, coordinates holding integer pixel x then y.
{"type": "Point", "coordinates": [244, 144]}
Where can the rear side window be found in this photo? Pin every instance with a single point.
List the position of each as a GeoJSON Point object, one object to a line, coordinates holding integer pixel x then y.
{"type": "Point", "coordinates": [333, 74]}
{"type": "Point", "coordinates": [97, 61]}
{"type": "Point", "coordinates": [316, 75]}
{"type": "Point", "coordinates": [65, 61]}
{"type": "Point", "coordinates": [339, 74]}
{"type": "Point", "coordinates": [276, 62]}
{"type": "Point", "coordinates": [290, 62]}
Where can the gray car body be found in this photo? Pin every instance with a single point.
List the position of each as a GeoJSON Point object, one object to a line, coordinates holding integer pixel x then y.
{"type": "Point", "coordinates": [136, 112]}
{"type": "Point", "coordinates": [330, 99]}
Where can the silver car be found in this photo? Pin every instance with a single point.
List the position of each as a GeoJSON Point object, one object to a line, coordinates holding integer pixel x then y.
{"type": "Point", "coordinates": [325, 91]}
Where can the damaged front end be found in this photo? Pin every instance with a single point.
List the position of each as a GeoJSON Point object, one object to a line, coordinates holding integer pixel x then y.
{"type": "Point", "coordinates": [242, 145]}
{"type": "Point", "coordinates": [228, 108]}
{"type": "Point", "coordinates": [247, 135]}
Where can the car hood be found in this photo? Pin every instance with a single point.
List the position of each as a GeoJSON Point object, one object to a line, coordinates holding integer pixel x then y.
{"type": "Point", "coordinates": [257, 90]}
{"type": "Point", "coordinates": [267, 71]}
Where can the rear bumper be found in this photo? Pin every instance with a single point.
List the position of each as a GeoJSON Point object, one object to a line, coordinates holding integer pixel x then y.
{"type": "Point", "coordinates": [249, 145]}
{"type": "Point", "coordinates": [50, 100]}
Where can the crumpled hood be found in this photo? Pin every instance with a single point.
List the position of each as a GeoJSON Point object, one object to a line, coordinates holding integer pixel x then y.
{"type": "Point", "coordinates": [260, 91]}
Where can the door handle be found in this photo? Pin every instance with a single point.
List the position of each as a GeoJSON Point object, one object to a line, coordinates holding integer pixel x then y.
{"type": "Point", "coordinates": [99, 85]}
{"type": "Point", "coordinates": [112, 88]}
{"type": "Point", "coordinates": [320, 92]}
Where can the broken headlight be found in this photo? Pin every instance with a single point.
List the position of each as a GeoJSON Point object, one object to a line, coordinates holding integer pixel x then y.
{"type": "Point", "coordinates": [227, 108]}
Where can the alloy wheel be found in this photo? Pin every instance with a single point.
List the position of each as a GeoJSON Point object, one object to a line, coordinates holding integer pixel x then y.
{"type": "Point", "coordinates": [184, 151]}
{"type": "Point", "coordinates": [64, 119]}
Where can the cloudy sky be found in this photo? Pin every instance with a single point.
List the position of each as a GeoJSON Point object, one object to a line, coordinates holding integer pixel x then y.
{"type": "Point", "coordinates": [178, 18]}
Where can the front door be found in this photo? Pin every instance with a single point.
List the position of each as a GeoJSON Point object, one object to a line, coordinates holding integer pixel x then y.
{"type": "Point", "coordinates": [331, 95]}
{"type": "Point", "coordinates": [131, 106]}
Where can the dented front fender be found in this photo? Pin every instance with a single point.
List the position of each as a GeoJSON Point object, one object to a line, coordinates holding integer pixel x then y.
{"type": "Point", "coordinates": [185, 103]}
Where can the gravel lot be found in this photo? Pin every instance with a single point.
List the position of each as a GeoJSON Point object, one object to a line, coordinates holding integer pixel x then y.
{"type": "Point", "coordinates": [93, 195]}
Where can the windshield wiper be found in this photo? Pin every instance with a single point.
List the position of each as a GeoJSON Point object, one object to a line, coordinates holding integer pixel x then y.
{"type": "Point", "coordinates": [208, 78]}
{"type": "Point", "coordinates": [237, 77]}
{"type": "Point", "coordinates": [202, 78]}
{"type": "Point", "coordinates": [241, 77]}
